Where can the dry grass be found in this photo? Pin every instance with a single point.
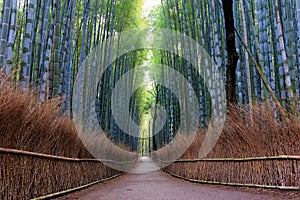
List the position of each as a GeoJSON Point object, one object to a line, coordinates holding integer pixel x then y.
{"type": "Point", "coordinates": [266, 136]}
{"type": "Point", "coordinates": [30, 125]}
{"type": "Point", "coordinates": [27, 177]}
{"type": "Point", "coordinates": [27, 124]}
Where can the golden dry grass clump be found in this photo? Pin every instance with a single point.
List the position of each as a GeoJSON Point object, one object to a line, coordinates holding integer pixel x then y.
{"type": "Point", "coordinates": [30, 125]}
{"type": "Point", "coordinates": [266, 136]}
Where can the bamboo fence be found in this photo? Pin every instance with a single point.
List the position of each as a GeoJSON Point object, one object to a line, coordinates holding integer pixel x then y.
{"type": "Point", "coordinates": [27, 175]}
{"type": "Point", "coordinates": [282, 172]}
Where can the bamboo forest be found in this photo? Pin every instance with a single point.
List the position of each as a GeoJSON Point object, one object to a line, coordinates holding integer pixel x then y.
{"type": "Point", "coordinates": [206, 91]}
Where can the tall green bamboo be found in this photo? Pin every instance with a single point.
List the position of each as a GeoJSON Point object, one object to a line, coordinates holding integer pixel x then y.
{"type": "Point", "coordinates": [84, 28]}
{"type": "Point", "coordinates": [43, 37]}
{"type": "Point", "coordinates": [249, 88]}
{"type": "Point", "coordinates": [11, 38]}
{"type": "Point", "coordinates": [298, 49]}
{"type": "Point", "coordinates": [284, 56]}
{"type": "Point", "coordinates": [4, 30]}
{"type": "Point", "coordinates": [27, 41]}
{"type": "Point", "coordinates": [45, 41]}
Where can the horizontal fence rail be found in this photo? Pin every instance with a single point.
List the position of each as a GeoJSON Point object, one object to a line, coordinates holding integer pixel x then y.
{"type": "Point", "coordinates": [281, 157]}
{"type": "Point", "coordinates": [234, 184]}
{"type": "Point", "coordinates": [41, 155]}
{"type": "Point", "coordinates": [274, 172]}
{"type": "Point", "coordinates": [58, 194]}
{"type": "Point", "coordinates": [28, 175]}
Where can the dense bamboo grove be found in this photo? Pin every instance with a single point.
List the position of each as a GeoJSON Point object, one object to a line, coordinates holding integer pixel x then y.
{"type": "Point", "coordinates": [44, 42]}
{"type": "Point", "coordinates": [267, 40]}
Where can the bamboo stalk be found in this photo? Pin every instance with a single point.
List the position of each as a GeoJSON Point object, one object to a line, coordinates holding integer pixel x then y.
{"type": "Point", "coordinates": [243, 9]}
{"type": "Point", "coordinates": [261, 74]}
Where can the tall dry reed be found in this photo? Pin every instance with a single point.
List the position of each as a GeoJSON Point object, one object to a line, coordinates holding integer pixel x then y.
{"type": "Point", "coordinates": [267, 135]}
{"type": "Point", "coordinates": [28, 124]}
{"type": "Point", "coordinates": [244, 136]}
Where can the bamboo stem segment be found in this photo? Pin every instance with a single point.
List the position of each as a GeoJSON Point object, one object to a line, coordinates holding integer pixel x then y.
{"type": "Point", "coordinates": [263, 77]}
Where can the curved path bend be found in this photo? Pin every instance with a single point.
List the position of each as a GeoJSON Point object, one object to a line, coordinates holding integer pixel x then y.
{"type": "Point", "coordinates": [157, 185]}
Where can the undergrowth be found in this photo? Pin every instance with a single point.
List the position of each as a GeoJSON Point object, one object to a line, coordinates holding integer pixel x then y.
{"type": "Point", "coordinates": [267, 135]}
{"type": "Point", "coordinates": [30, 125]}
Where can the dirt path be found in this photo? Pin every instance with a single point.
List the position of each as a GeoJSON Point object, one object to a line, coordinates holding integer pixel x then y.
{"type": "Point", "coordinates": [158, 185]}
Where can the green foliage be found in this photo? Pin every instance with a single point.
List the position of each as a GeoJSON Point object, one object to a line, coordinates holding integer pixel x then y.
{"type": "Point", "coordinates": [47, 51]}
{"type": "Point", "coordinates": [129, 15]}
{"type": "Point", "coordinates": [156, 18]}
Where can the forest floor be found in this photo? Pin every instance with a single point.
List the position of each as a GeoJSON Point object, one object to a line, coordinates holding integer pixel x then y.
{"type": "Point", "coordinates": [146, 183]}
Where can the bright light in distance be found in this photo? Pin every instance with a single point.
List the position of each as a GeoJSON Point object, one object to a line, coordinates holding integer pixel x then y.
{"type": "Point", "coordinates": [149, 5]}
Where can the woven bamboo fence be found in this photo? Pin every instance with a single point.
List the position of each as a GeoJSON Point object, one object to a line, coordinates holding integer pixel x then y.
{"type": "Point", "coordinates": [281, 172]}
{"type": "Point", "coordinates": [27, 175]}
